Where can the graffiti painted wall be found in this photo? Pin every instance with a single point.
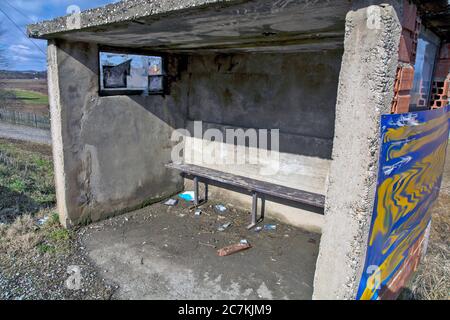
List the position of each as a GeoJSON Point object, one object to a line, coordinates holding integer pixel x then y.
{"type": "Point", "coordinates": [411, 165]}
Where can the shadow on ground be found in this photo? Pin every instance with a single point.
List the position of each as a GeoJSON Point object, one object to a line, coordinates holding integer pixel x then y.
{"type": "Point", "coordinates": [14, 204]}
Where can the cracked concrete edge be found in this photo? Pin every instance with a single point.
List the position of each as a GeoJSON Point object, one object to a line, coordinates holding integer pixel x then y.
{"type": "Point", "coordinates": [365, 92]}
{"type": "Point", "coordinates": [126, 10]}
{"type": "Point", "coordinates": [56, 132]}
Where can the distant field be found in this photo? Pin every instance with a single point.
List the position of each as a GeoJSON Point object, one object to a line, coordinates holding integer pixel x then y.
{"type": "Point", "coordinates": [25, 84]}
{"type": "Point", "coordinates": [29, 97]}
{"type": "Point", "coordinates": [25, 95]}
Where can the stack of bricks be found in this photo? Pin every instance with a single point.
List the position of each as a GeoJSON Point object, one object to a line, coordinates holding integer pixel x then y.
{"type": "Point", "coordinates": [441, 82]}
{"type": "Point", "coordinates": [404, 82]}
{"type": "Point", "coordinates": [411, 24]}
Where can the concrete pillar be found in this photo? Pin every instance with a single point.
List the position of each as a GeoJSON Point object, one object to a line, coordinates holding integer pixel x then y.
{"type": "Point", "coordinates": [56, 130]}
{"type": "Point", "coordinates": [365, 92]}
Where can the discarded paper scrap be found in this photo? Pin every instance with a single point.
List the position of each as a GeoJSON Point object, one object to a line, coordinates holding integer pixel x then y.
{"type": "Point", "coordinates": [224, 226]}
{"type": "Point", "coordinates": [220, 208]}
{"type": "Point", "coordinates": [258, 229]}
{"type": "Point", "coordinates": [171, 202]}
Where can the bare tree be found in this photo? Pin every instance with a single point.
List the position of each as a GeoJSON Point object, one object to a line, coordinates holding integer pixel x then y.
{"type": "Point", "coordinates": [3, 65]}
{"type": "Point", "coordinates": [3, 58]}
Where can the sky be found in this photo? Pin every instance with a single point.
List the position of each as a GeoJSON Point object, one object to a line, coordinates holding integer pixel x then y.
{"type": "Point", "coordinates": [20, 52]}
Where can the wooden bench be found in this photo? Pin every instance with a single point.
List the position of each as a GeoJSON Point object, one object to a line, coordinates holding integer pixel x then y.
{"type": "Point", "coordinates": [256, 188]}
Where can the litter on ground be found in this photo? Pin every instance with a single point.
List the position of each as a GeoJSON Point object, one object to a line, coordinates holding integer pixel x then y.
{"type": "Point", "coordinates": [269, 227]}
{"type": "Point", "coordinates": [224, 226]}
{"type": "Point", "coordinates": [220, 208]}
{"type": "Point", "coordinates": [42, 221]}
{"type": "Point", "coordinates": [187, 196]}
{"type": "Point", "coordinates": [226, 251]}
{"type": "Point", "coordinates": [171, 202]}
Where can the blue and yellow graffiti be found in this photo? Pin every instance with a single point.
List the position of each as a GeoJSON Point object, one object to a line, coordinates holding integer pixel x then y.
{"type": "Point", "coordinates": [411, 164]}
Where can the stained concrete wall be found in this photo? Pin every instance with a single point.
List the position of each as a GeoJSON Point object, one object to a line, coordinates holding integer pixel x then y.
{"type": "Point", "coordinates": [295, 93]}
{"type": "Point", "coordinates": [286, 169]}
{"type": "Point", "coordinates": [109, 152]}
{"type": "Point", "coordinates": [365, 93]}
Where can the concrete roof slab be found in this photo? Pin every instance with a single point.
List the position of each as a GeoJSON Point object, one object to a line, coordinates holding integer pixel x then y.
{"type": "Point", "coordinates": [204, 24]}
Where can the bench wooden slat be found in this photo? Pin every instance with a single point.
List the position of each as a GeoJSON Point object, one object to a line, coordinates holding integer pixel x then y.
{"type": "Point", "coordinates": [300, 196]}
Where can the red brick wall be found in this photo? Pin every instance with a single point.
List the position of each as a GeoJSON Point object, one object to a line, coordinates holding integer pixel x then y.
{"type": "Point", "coordinates": [440, 91]}
{"type": "Point", "coordinates": [402, 87]}
{"type": "Point", "coordinates": [407, 57]}
{"type": "Point", "coordinates": [410, 33]}
{"type": "Point", "coordinates": [441, 81]}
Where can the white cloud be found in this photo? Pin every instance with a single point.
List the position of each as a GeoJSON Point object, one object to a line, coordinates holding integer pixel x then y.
{"type": "Point", "coordinates": [19, 49]}
{"type": "Point", "coordinates": [21, 53]}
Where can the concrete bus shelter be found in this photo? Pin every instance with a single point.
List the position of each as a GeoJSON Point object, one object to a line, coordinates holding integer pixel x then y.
{"type": "Point", "coordinates": [322, 72]}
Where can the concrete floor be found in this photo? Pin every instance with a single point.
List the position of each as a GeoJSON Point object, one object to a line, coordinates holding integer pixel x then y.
{"type": "Point", "coordinates": [162, 252]}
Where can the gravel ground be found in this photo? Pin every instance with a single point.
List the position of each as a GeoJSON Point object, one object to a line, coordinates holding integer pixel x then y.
{"type": "Point", "coordinates": [32, 274]}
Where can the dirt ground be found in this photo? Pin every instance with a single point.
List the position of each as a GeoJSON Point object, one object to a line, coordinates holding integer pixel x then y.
{"type": "Point", "coordinates": [162, 252]}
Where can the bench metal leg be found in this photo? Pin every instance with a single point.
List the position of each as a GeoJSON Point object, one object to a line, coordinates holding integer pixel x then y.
{"type": "Point", "coordinates": [196, 201]}
{"type": "Point", "coordinates": [263, 208]}
{"type": "Point", "coordinates": [196, 192]}
{"type": "Point", "coordinates": [254, 217]}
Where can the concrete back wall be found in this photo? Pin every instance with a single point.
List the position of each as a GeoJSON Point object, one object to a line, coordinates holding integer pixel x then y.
{"type": "Point", "coordinates": [294, 92]}
{"type": "Point", "coordinates": [109, 151]}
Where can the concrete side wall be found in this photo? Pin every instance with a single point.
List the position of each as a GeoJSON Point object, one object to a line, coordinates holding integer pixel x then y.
{"type": "Point", "coordinates": [109, 151]}
{"type": "Point", "coordinates": [365, 92]}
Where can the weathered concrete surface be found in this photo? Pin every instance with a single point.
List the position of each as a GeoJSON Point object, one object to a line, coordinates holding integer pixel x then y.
{"type": "Point", "coordinates": [206, 24]}
{"type": "Point", "coordinates": [295, 93]}
{"type": "Point", "coordinates": [287, 169]}
{"type": "Point", "coordinates": [109, 152]}
{"type": "Point", "coordinates": [167, 253]}
{"type": "Point", "coordinates": [365, 92]}
{"type": "Point", "coordinates": [16, 132]}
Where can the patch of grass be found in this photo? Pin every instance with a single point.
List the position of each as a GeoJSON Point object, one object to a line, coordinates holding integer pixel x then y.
{"type": "Point", "coordinates": [17, 185]}
{"type": "Point", "coordinates": [45, 248]}
{"type": "Point", "coordinates": [29, 97]}
{"type": "Point", "coordinates": [26, 178]}
{"type": "Point", "coordinates": [60, 235]}
{"type": "Point", "coordinates": [26, 234]}
{"type": "Point", "coordinates": [19, 236]}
